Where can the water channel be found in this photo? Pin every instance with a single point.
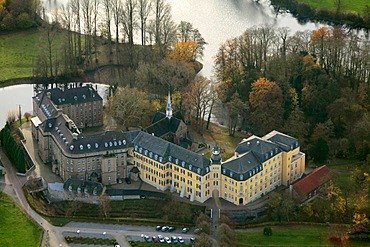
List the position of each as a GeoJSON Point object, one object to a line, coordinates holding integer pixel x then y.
{"type": "Point", "coordinates": [217, 21]}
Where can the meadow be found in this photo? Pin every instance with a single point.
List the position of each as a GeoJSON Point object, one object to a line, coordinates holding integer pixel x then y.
{"type": "Point", "coordinates": [351, 6]}
{"type": "Point", "coordinates": [16, 228]}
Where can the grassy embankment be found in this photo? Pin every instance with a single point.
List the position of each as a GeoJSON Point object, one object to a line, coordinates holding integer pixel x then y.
{"type": "Point", "coordinates": [15, 227]}
{"type": "Point", "coordinates": [348, 6]}
{"type": "Point", "coordinates": [19, 50]}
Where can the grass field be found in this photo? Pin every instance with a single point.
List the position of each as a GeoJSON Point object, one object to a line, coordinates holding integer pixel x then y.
{"type": "Point", "coordinates": [289, 236]}
{"type": "Point", "coordinates": [16, 229]}
{"type": "Point", "coordinates": [18, 51]}
{"type": "Point", "coordinates": [354, 6]}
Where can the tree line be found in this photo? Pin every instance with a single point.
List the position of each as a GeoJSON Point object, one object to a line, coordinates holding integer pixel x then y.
{"type": "Point", "coordinates": [101, 32]}
{"type": "Point", "coordinates": [311, 85]}
{"type": "Point", "coordinates": [19, 14]}
{"type": "Point", "coordinates": [12, 149]}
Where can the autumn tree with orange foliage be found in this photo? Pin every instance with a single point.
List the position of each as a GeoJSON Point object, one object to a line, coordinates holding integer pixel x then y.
{"type": "Point", "coordinates": [184, 51]}
{"type": "Point", "coordinates": [266, 100]}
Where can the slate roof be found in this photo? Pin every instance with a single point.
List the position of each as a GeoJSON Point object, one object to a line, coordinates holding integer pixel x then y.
{"type": "Point", "coordinates": [146, 143]}
{"type": "Point", "coordinates": [108, 141]}
{"type": "Point", "coordinates": [259, 147]}
{"type": "Point", "coordinates": [89, 185]}
{"type": "Point", "coordinates": [163, 125]}
{"type": "Point", "coordinates": [244, 166]}
{"type": "Point", "coordinates": [76, 95]}
{"type": "Point", "coordinates": [312, 181]}
{"type": "Point", "coordinates": [284, 141]}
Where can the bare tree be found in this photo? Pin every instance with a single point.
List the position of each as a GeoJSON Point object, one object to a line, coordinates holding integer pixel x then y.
{"type": "Point", "coordinates": [104, 204]}
{"type": "Point", "coordinates": [108, 17]}
{"type": "Point", "coordinates": [145, 8]}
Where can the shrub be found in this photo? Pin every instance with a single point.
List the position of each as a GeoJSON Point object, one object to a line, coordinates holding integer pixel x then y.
{"type": "Point", "coordinates": [267, 231]}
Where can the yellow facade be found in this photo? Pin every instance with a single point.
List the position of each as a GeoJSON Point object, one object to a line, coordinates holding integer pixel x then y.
{"type": "Point", "coordinates": [281, 165]}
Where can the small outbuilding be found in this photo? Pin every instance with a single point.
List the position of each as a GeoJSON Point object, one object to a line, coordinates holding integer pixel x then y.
{"type": "Point", "coordinates": [309, 186]}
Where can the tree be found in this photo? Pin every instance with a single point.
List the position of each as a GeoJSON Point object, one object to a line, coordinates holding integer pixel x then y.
{"type": "Point", "coordinates": [145, 8]}
{"type": "Point", "coordinates": [320, 150]}
{"type": "Point", "coordinates": [104, 204]}
{"type": "Point", "coordinates": [266, 100]}
{"type": "Point", "coordinates": [184, 51]}
{"type": "Point", "coordinates": [200, 99]}
{"type": "Point", "coordinates": [130, 107]}
{"type": "Point", "coordinates": [226, 235]}
{"type": "Point", "coordinates": [203, 241]}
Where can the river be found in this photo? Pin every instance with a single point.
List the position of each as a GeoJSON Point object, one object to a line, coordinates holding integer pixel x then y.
{"type": "Point", "coordinates": [217, 21]}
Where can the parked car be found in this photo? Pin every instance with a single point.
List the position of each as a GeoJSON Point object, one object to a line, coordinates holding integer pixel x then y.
{"type": "Point", "coordinates": [180, 239]}
{"type": "Point", "coordinates": [192, 240]}
{"type": "Point", "coordinates": [185, 230]}
{"type": "Point", "coordinates": [168, 240]}
{"type": "Point", "coordinates": [174, 239]}
{"type": "Point", "coordinates": [165, 228]}
{"type": "Point", "coordinates": [142, 196]}
{"type": "Point", "coordinates": [171, 228]}
{"type": "Point", "coordinates": [158, 228]}
{"type": "Point", "coordinates": [198, 230]}
{"type": "Point", "coordinates": [155, 239]}
{"type": "Point", "coordinates": [147, 238]}
{"type": "Point", "coordinates": [128, 180]}
{"type": "Point", "coordinates": [161, 238]}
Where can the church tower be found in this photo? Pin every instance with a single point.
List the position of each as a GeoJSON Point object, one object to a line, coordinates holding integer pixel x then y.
{"type": "Point", "coordinates": [169, 107]}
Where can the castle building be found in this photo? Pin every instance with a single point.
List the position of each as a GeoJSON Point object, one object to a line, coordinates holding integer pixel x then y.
{"type": "Point", "coordinates": [82, 104]}
{"type": "Point", "coordinates": [260, 164]}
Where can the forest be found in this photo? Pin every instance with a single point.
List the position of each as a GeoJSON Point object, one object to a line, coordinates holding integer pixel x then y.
{"type": "Point", "coordinates": [311, 85]}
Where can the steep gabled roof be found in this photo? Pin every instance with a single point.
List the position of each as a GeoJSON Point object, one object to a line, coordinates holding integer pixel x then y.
{"type": "Point", "coordinates": [164, 126]}
{"type": "Point", "coordinates": [312, 181]}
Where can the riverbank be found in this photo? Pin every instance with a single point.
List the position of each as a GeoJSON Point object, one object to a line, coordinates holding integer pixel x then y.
{"type": "Point", "coordinates": [347, 14]}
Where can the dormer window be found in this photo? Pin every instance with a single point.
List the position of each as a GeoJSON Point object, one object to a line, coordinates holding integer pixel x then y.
{"type": "Point", "coordinates": [198, 170]}
{"type": "Point", "coordinates": [156, 157]}
{"type": "Point", "coordinates": [223, 171]}
{"type": "Point", "coordinates": [150, 154]}
{"type": "Point", "coordinates": [140, 150]}
{"type": "Point", "coordinates": [272, 153]}
{"type": "Point", "coordinates": [190, 167]}
{"type": "Point", "coordinates": [231, 174]}
{"type": "Point", "coordinates": [124, 142]}
{"type": "Point", "coordinates": [266, 156]}
{"type": "Point", "coordinates": [119, 142]}
{"type": "Point", "coordinates": [96, 145]}
{"type": "Point", "coordinates": [81, 147]}
{"type": "Point", "coordinates": [88, 146]}
{"type": "Point", "coordinates": [71, 147]}
{"type": "Point", "coordinates": [241, 177]}
{"type": "Point", "coordinates": [160, 159]}
{"type": "Point", "coordinates": [115, 143]}
{"type": "Point", "coordinates": [177, 161]}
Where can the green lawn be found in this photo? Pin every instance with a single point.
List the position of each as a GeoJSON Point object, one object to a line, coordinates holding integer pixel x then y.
{"type": "Point", "coordinates": [356, 6]}
{"type": "Point", "coordinates": [284, 236]}
{"type": "Point", "coordinates": [18, 50]}
{"type": "Point", "coordinates": [16, 229]}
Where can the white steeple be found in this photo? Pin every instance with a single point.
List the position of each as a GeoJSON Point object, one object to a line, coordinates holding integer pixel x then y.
{"type": "Point", "coordinates": [169, 107]}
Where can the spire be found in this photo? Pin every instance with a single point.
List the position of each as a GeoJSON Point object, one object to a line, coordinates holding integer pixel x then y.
{"type": "Point", "coordinates": [169, 107]}
{"type": "Point", "coordinates": [216, 157]}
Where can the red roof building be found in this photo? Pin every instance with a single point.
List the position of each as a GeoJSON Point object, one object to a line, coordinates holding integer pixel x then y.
{"type": "Point", "coordinates": [310, 185]}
